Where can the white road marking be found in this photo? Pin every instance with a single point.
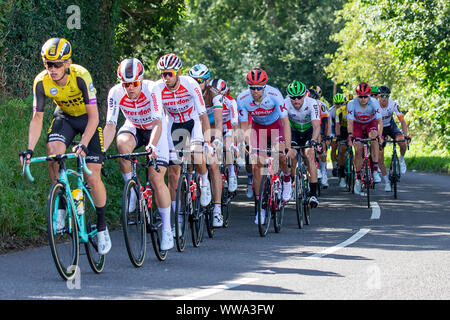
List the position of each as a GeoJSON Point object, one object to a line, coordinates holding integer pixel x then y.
{"type": "Point", "coordinates": [376, 211]}
{"type": "Point", "coordinates": [361, 233]}
{"type": "Point", "coordinates": [216, 289]}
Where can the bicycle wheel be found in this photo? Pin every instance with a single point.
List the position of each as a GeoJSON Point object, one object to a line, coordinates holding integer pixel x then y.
{"type": "Point", "coordinates": [155, 226]}
{"type": "Point", "coordinates": [183, 210]}
{"type": "Point", "coordinates": [96, 260]}
{"type": "Point", "coordinates": [394, 172]}
{"type": "Point", "coordinates": [278, 211]}
{"type": "Point", "coordinates": [299, 198]}
{"type": "Point", "coordinates": [208, 213]}
{"type": "Point", "coordinates": [197, 219]}
{"type": "Point", "coordinates": [306, 206]}
{"type": "Point", "coordinates": [226, 199]}
{"type": "Point", "coordinates": [367, 180]}
{"type": "Point", "coordinates": [264, 203]}
{"type": "Point", "coordinates": [133, 223]}
{"type": "Point", "coordinates": [63, 242]}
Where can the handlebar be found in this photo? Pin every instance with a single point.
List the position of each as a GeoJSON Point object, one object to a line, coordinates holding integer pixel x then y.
{"type": "Point", "coordinates": [133, 156]}
{"type": "Point", "coordinates": [54, 157]}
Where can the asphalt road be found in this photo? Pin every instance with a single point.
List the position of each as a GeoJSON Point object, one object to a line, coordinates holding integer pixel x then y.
{"type": "Point", "coordinates": [400, 251]}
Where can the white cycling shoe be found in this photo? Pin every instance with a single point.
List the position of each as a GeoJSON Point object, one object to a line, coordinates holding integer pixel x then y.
{"type": "Point", "coordinates": [232, 183]}
{"type": "Point", "coordinates": [167, 242]}
{"type": "Point", "coordinates": [205, 194]}
{"type": "Point", "coordinates": [103, 242]}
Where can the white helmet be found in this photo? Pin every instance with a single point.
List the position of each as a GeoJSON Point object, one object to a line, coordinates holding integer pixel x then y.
{"type": "Point", "coordinates": [199, 71]}
{"type": "Point", "coordinates": [220, 85]}
{"type": "Point", "coordinates": [130, 70]}
{"type": "Point", "coordinates": [169, 61]}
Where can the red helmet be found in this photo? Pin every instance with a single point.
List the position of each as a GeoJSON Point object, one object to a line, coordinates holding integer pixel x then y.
{"type": "Point", "coordinates": [257, 77]}
{"type": "Point", "coordinates": [363, 89]}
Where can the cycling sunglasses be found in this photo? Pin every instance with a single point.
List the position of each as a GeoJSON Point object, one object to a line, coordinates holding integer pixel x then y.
{"type": "Point", "coordinates": [134, 84]}
{"type": "Point", "coordinates": [374, 95]}
{"type": "Point", "coordinates": [54, 64]}
{"type": "Point", "coordinates": [256, 88]}
{"type": "Point", "coordinates": [363, 97]}
{"type": "Point", "coordinates": [384, 95]}
{"type": "Point", "coordinates": [297, 98]}
{"type": "Point", "coordinates": [200, 80]}
{"type": "Point", "coordinates": [169, 74]}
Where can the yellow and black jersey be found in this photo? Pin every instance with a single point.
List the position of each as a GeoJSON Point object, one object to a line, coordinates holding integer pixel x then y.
{"type": "Point", "coordinates": [72, 98]}
{"type": "Point", "coordinates": [341, 116]}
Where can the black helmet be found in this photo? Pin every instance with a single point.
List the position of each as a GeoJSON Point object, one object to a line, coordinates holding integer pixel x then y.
{"type": "Point", "coordinates": [384, 90]}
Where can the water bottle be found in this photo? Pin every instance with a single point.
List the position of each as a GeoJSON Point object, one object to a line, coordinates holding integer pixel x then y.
{"type": "Point", "coordinates": [77, 195]}
{"type": "Point", "coordinates": [193, 189]}
{"type": "Point", "coordinates": [148, 195]}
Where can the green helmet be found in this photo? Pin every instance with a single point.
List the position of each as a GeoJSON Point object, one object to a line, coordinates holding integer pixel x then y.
{"type": "Point", "coordinates": [374, 89]}
{"type": "Point", "coordinates": [296, 89]}
{"type": "Point", "coordinates": [339, 98]}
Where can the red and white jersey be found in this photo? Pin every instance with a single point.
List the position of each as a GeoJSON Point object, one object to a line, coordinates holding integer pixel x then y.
{"type": "Point", "coordinates": [184, 103]}
{"type": "Point", "coordinates": [139, 112]}
{"type": "Point", "coordinates": [230, 113]}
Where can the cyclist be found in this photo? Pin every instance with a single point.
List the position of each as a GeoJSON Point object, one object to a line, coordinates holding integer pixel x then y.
{"type": "Point", "coordinates": [341, 133]}
{"type": "Point", "coordinates": [324, 132]}
{"type": "Point", "coordinates": [214, 108]}
{"type": "Point", "coordinates": [364, 119]}
{"type": "Point", "coordinates": [388, 108]}
{"type": "Point", "coordinates": [270, 126]}
{"type": "Point", "coordinates": [145, 125]}
{"type": "Point", "coordinates": [187, 121]}
{"type": "Point", "coordinates": [71, 88]}
{"type": "Point", "coordinates": [304, 119]}
{"type": "Point", "coordinates": [230, 123]}
{"type": "Point", "coordinates": [375, 92]}
{"type": "Point", "coordinates": [333, 144]}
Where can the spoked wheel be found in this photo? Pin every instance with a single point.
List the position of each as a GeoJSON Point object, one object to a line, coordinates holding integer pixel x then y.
{"type": "Point", "coordinates": [278, 218]}
{"type": "Point", "coordinates": [133, 223]}
{"type": "Point", "coordinates": [197, 219]}
{"type": "Point", "coordinates": [155, 227]}
{"type": "Point", "coordinates": [394, 174]}
{"type": "Point", "coordinates": [226, 199]}
{"type": "Point", "coordinates": [208, 213]}
{"type": "Point", "coordinates": [183, 209]}
{"type": "Point", "coordinates": [96, 260]}
{"type": "Point", "coordinates": [264, 205]}
{"type": "Point", "coordinates": [63, 240]}
{"type": "Point", "coordinates": [299, 199]}
{"type": "Point", "coordinates": [367, 178]}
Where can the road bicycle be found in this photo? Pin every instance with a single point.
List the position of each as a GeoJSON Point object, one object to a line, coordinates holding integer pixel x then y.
{"type": "Point", "coordinates": [270, 195]}
{"type": "Point", "coordinates": [366, 170]}
{"type": "Point", "coordinates": [187, 207]}
{"type": "Point", "coordinates": [227, 196]}
{"type": "Point", "coordinates": [80, 217]}
{"type": "Point", "coordinates": [394, 167]}
{"type": "Point", "coordinates": [301, 187]}
{"type": "Point", "coordinates": [349, 169]}
{"type": "Point", "coordinates": [139, 214]}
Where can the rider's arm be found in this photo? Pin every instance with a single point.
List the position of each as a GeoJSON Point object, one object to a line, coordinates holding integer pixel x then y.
{"type": "Point", "coordinates": [112, 114]}
{"type": "Point", "coordinates": [286, 131]}
{"type": "Point", "coordinates": [35, 128]}
{"type": "Point", "coordinates": [206, 128]}
{"type": "Point", "coordinates": [243, 136]}
{"type": "Point", "coordinates": [218, 122]}
{"type": "Point", "coordinates": [108, 135]}
{"type": "Point", "coordinates": [316, 130]}
{"type": "Point", "coordinates": [92, 125]}
{"type": "Point", "coordinates": [156, 133]}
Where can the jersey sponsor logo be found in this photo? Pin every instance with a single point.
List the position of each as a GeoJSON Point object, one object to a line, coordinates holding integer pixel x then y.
{"type": "Point", "coordinates": [283, 108]}
{"type": "Point", "coordinates": [53, 91]}
{"type": "Point", "coordinates": [91, 87]}
{"type": "Point", "coordinates": [261, 112]}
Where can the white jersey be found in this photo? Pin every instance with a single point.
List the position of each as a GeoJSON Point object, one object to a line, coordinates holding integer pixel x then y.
{"type": "Point", "coordinates": [300, 119]}
{"type": "Point", "coordinates": [230, 112]}
{"type": "Point", "coordinates": [139, 112]}
{"type": "Point", "coordinates": [356, 113]}
{"type": "Point", "coordinates": [388, 112]}
{"type": "Point", "coordinates": [184, 103]}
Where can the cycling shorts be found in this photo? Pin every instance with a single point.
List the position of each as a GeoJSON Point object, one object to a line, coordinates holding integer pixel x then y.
{"type": "Point", "coordinates": [142, 138]}
{"type": "Point", "coordinates": [362, 130]}
{"type": "Point", "coordinates": [392, 131]}
{"type": "Point", "coordinates": [301, 138]}
{"type": "Point", "coordinates": [64, 128]}
{"type": "Point", "coordinates": [183, 136]}
{"type": "Point", "coordinates": [263, 137]}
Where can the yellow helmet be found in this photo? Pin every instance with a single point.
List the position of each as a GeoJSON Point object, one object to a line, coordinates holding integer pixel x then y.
{"type": "Point", "coordinates": [56, 49]}
{"type": "Point", "coordinates": [348, 97]}
{"type": "Point", "coordinates": [318, 90]}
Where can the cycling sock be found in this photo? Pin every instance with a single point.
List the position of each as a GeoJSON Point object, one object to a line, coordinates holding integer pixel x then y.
{"type": "Point", "coordinates": [287, 177]}
{"type": "Point", "coordinates": [402, 158]}
{"type": "Point", "coordinates": [250, 178]}
{"type": "Point", "coordinates": [313, 188]}
{"type": "Point", "coordinates": [358, 176]}
{"type": "Point", "coordinates": [174, 204]}
{"type": "Point", "coordinates": [165, 217]}
{"type": "Point", "coordinates": [342, 171]}
{"type": "Point", "coordinates": [204, 178]}
{"type": "Point", "coordinates": [101, 224]}
{"type": "Point", "coordinates": [375, 166]}
{"type": "Point", "coordinates": [217, 207]}
{"type": "Point", "coordinates": [386, 178]}
{"type": "Point", "coordinates": [127, 176]}
{"type": "Point", "coordinates": [231, 172]}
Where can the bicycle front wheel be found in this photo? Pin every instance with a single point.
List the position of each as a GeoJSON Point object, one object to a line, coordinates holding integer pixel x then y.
{"type": "Point", "coordinates": [299, 208]}
{"type": "Point", "coordinates": [183, 209]}
{"type": "Point", "coordinates": [367, 180]}
{"type": "Point", "coordinates": [133, 223]}
{"type": "Point", "coordinates": [96, 260]}
{"type": "Point", "coordinates": [264, 206]}
{"type": "Point", "coordinates": [155, 227]}
{"type": "Point", "coordinates": [394, 173]}
{"type": "Point", "coordinates": [62, 234]}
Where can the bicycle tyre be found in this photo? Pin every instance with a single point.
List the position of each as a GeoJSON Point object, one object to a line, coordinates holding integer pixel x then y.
{"type": "Point", "coordinates": [133, 224]}
{"type": "Point", "coordinates": [208, 212]}
{"type": "Point", "coordinates": [182, 210]}
{"type": "Point", "coordinates": [367, 179]}
{"type": "Point", "coordinates": [264, 203]}
{"type": "Point", "coordinates": [299, 198]}
{"type": "Point", "coordinates": [154, 224]}
{"type": "Point", "coordinates": [96, 260]}
{"type": "Point", "coordinates": [394, 172]}
{"type": "Point", "coordinates": [197, 219]}
{"type": "Point", "coordinates": [226, 199]}
{"type": "Point", "coordinates": [67, 263]}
